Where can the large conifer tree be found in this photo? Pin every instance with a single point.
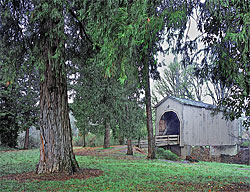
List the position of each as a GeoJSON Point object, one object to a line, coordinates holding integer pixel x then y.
{"type": "Point", "coordinates": [35, 33]}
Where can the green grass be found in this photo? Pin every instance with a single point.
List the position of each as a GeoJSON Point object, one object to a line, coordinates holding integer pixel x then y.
{"type": "Point", "coordinates": [4, 148]}
{"type": "Point", "coordinates": [127, 175]}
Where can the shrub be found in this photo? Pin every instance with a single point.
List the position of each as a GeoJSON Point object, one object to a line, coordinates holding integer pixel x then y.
{"type": "Point", "coordinates": [92, 140]}
{"type": "Point", "coordinates": [78, 141]}
{"type": "Point", "coordinates": [166, 154]}
{"type": "Point", "coordinates": [246, 144]}
{"type": "Point", "coordinates": [5, 148]}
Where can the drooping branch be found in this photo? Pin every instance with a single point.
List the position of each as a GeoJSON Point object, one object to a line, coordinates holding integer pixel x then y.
{"type": "Point", "coordinates": [82, 29]}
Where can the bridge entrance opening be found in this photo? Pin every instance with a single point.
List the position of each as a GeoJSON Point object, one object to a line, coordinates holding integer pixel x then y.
{"type": "Point", "coordinates": [169, 124]}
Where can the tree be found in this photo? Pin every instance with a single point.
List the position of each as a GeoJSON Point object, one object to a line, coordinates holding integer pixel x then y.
{"type": "Point", "coordinates": [133, 36]}
{"type": "Point", "coordinates": [228, 41]}
{"type": "Point", "coordinates": [95, 97]}
{"type": "Point", "coordinates": [224, 32]}
{"type": "Point", "coordinates": [8, 125]}
{"type": "Point", "coordinates": [56, 153]}
{"type": "Point", "coordinates": [19, 104]}
{"type": "Point", "coordinates": [179, 81]}
{"type": "Point", "coordinates": [34, 32]}
{"type": "Point", "coordinates": [120, 36]}
{"type": "Point", "coordinates": [218, 91]}
{"type": "Point", "coordinates": [130, 113]}
{"type": "Point", "coordinates": [102, 104]}
{"type": "Point", "coordinates": [28, 100]}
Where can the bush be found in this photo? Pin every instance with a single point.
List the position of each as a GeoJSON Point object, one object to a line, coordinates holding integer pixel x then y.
{"type": "Point", "coordinates": [5, 148]}
{"type": "Point", "coordinates": [92, 140]}
{"type": "Point", "coordinates": [166, 154]}
{"type": "Point", "coordinates": [78, 141]}
{"type": "Point", "coordinates": [246, 144]}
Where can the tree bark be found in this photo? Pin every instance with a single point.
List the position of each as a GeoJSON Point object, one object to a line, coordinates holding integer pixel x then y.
{"type": "Point", "coordinates": [139, 142]}
{"type": "Point", "coordinates": [130, 147]}
{"type": "Point", "coordinates": [121, 139]}
{"type": "Point", "coordinates": [84, 140]}
{"type": "Point", "coordinates": [56, 150]}
{"type": "Point", "coordinates": [151, 144]}
{"type": "Point", "coordinates": [26, 140]}
{"type": "Point", "coordinates": [107, 135]}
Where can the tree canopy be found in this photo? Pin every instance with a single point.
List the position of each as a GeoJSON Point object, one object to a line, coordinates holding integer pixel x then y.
{"type": "Point", "coordinates": [224, 32]}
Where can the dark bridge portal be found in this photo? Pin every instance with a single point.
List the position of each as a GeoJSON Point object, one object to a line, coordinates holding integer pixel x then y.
{"type": "Point", "coordinates": [169, 124]}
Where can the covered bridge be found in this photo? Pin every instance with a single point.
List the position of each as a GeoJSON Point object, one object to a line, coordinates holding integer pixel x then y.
{"type": "Point", "coordinates": [182, 123]}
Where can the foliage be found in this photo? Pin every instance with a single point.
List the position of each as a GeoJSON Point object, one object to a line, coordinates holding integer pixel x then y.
{"type": "Point", "coordinates": [78, 141]}
{"type": "Point", "coordinates": [166, 154]}
{"type": "Point", "coordinates": [19, 110]}
{"type": "Point", "coordinates": [129, 175]}
{"type": "Point", "coordinates": [19, 105]}
{"type": "Point", "coordinates": [18, 77]}
{"type": "Point", "coordinates": [4, 148]}
{"type": "Point", "coordinates": [246, 144]}
{"type": "Point", "coordinates": [229, 45]}
{"type": "Point", "coordinates": [91, 140]}
{"type": "Point", "coordinates": [224, 58]}
{"type": "Point", "coordinates": [99, 100]}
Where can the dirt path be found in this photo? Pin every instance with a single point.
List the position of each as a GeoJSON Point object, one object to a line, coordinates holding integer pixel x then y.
{"type": "Point", "coordinates": [119, 151]}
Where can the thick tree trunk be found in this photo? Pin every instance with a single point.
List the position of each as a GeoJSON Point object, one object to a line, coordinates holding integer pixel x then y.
{"type": "Point", "coordinates": [130, 147]}
{"type": "Point", "coordinates": [56, 150]}
{"type": "Point", "coordinates": [107, 135]}
{"type": "Point", "coordinates": [26, 140]}
{"type": "Point", "coordinates": [151, 144]}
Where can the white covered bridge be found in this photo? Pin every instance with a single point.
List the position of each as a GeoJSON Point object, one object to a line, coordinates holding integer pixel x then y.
{"type": "Point", "coordinates": [182, 123]}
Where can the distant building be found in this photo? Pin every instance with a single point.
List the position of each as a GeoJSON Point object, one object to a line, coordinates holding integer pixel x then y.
{"type": "Point", "coordinates": [195, 124]}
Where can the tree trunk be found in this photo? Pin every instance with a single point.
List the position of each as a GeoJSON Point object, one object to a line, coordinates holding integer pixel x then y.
{"type": "Point", "coordinates": [151, 144]}
{"type": "Point", "coordinates": [56, 150]}
{"type": "Point", "coordinates": [107, 135]}
{"type": "Point", "coordinates": [139, 142]}
{"type": "Point", "coordinates": [26, 140]}
{"type": "Point", "coordinates": [130, 147]}
{"type": "Point", "coordinates": [84, 140]}
{"type": "Point", "coordinates": [121, 139]}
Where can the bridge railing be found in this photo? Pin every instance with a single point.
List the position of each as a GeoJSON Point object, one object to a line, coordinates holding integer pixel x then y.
{"type": "Point", "coordinates": [167, 140]}
{"type": "Point", "coordinates": [160, 140]}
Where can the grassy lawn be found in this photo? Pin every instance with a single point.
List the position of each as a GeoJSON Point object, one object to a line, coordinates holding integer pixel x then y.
{"type": "Point", "coordinates": [129, 175]}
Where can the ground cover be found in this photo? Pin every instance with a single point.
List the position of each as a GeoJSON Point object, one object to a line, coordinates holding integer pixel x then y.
{"type": "Point", "coordinates": [112, 170]}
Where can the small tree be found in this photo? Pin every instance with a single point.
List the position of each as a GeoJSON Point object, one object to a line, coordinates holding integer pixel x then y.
{"type": "Point", "coordinates": [179, 81]}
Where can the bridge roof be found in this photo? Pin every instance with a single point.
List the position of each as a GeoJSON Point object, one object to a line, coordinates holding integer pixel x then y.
{"type": "Point", "coordinates": [187, 102]}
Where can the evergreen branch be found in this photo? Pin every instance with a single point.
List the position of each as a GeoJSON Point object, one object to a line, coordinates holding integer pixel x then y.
{"type": "Point", "coordinates": [82, 29]}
